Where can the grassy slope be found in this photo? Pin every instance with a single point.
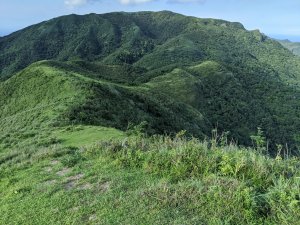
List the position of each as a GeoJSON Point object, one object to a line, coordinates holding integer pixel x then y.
{"type": "Point", "coordinates": [49, 95]}
{"type": "Point", "coordinates": [196, 98]}
{"type": "Point", "coordinates": [77, 136]}
{"type": "Point", "coordinates": [51, 172]}
{"type": "Point", "coordinates": [33, 100]}
{"type": "Point", "coordinates": [257, 85]}
{"type": "Point", "coordinates": [148, 180]}
{"type": "Point", "coordinates": [51, 175]}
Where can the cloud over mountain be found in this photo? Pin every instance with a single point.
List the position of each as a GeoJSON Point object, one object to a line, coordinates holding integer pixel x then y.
{"type": "Point", "coordinates": [186, 1]}
{"type": "Point", "coordinates": [76, 3]}
{"type": "Point", "coordinates": [128, 2]}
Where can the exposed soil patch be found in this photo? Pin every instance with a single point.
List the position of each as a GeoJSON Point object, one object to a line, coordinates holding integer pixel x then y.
{"type": "Point", "coordinates": [54, 162]}
{"type": "Point", "coordinates": [70, 185]}
{"type": "Point", "coordinates": [72, 182]}
{"type": "Point", "coordinates": [48, 169]}
{"type": "Point", "coordinates": [76, 177]}
{"type": "Point", "coordinates": [86, 186]}
{"type": "Point", "coordinates": [104, 186]}
{"type": "Point", "coordinates": [50, 182]}
{"type": "Point", "coordinates": [92, 217]}
{"type": "Point", "coordinates": [63, 172]}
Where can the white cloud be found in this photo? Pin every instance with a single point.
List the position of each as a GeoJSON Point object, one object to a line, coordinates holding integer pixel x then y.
{"type": "Point", "coordinates": [187, 1]}
{"type": "Point", "coordinates": [128, 2]}
{"type": "Point", "coordinates": [75, 3]}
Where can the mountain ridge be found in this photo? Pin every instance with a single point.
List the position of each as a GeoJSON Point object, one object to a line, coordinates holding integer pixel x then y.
{"type": "Point", "coordinates": [294, 47]}
{"type": "Point", "coordinates": [148, 118]}
{"type": "Point", "coordinates": [73, 18]}
{"type": "Point", "coordinates": [164, 63]}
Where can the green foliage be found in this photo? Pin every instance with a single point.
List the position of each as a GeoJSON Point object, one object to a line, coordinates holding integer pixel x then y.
{"type": "Point", "coordinates": [137, 130]}
{"type": "Point", "coordinates": [255, 186]}
{"type": "Point", "coordinates": [185, 76]}
{"type": "Point", "coordinates": [259, 141]}
{"type": "Point", "coordinates": [175, 72]}
{"type": "Point", "coordinates": [72, 158]}
{"type": "Point", "coordinates": [155, 180]}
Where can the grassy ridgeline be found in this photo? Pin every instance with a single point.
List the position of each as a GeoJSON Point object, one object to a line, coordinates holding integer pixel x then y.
{"type": "Point", "coordinates": [156, 180]}
{"type": "Point", "coordinates": [176, 72]}
{"type": "Point", "coordinates": [45, 96]}
{"type": "Point", "coordinates": [33, 101]}
{"type": "Point", "coordinates": [195, 98]}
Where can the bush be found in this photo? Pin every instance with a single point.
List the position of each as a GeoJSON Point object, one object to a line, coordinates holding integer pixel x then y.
{"type": "Point", "coordinates": [73, 157]}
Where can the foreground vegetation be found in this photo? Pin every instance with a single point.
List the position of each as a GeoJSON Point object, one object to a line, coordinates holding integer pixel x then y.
{"type": "Point", "coordinates": [148, 180]}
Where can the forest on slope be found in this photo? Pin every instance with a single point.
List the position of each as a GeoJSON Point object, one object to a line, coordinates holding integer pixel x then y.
{"type": "Point", "coordinates": [173, 71]}
{"type": "Point", "coordinates": [148, 118]}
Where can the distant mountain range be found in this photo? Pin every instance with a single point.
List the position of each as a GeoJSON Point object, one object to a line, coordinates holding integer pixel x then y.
{"type": "Point", "coordinates": [292, 46]}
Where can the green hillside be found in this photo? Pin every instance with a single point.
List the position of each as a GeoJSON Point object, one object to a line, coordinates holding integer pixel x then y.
{"type": "Point", "coordinates": [173, 71]}
{"type": "Point", "coordinates": [144, 39]}
{"type": "Point", "coordinates": [50, 94]}
{"type": "Point", "coordinates": [147, 118]}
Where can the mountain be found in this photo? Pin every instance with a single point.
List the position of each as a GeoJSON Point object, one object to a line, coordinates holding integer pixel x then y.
{"type": "Point", "coordinates": [173, 71]}
{"type": "Point", "coordinates": [138, 38]}
{"type": "Point", "coordinates": [48, 94]}
{"type": "Point", "coordinates": [148, 118]}
{"type": "Point", "coordinates": [292, 46]}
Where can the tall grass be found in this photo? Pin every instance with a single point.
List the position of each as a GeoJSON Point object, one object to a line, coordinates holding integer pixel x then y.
{"type": "Point", "coordinates": [229, 183]}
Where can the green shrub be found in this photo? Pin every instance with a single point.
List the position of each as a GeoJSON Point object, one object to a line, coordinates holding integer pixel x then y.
{"type": "Point", "coordinates": [72, 157]}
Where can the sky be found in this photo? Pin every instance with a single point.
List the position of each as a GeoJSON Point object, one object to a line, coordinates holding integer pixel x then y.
{"type": "Point", "coordinates": [276, 18]}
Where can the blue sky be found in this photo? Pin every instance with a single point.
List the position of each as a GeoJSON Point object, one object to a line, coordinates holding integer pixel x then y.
{"type": "Point", "coordinates": [276, 18]}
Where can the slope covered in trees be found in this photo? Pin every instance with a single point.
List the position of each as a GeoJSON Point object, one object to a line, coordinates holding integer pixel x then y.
{"type": "Point", "coordinates": [173, 71]}
{"type": "Point", "coordinates": [75, 93]}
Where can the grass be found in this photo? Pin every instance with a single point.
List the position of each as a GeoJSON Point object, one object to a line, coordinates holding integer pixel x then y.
{"type": "Point", "coordinates": [47, 95]}
{"type": "Point", "coordinates": [36, 97]}
{"type": "Point", "coordinates": [76, 136]}
{"type": "Point", "coordinates": [154, 180]}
